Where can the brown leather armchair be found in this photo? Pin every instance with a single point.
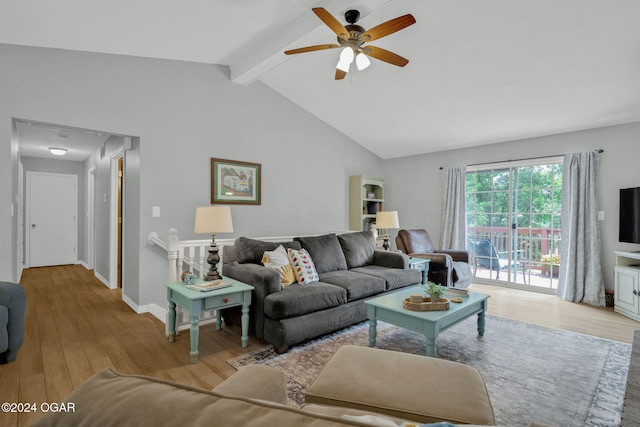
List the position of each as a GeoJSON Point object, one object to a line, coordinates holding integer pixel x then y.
{"type": "Point", "coordinates": [417, 243]}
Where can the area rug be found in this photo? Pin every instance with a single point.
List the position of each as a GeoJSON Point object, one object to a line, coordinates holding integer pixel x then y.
{"type": "Point", "coordinates": [532, 373]}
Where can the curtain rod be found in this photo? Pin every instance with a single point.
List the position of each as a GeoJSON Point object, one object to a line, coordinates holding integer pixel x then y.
{"type": "Point", "coordinates": [599, 150]}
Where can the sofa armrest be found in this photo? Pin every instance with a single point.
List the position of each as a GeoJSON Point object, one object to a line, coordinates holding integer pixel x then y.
{"type": "Point", "coordinates": [258, 276]}
{"type": "Point", "coordinates": [12, 296]}
{"type": "Point", "coordinates": [456, 254]}
{"type": "Point", "coordinates": [436, 260]}
{"type": "Point", "coordinates": [265, 281]}
{"type": "Point", "coordinates": [390, 259]}
{"type": "Point", "coordinates": [256, 382]}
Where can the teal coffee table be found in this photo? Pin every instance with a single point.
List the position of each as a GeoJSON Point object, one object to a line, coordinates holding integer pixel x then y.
{"type": "Point", "coordinates": [195, 302]}
{"type": "Point", "coordinates": [388, 308]}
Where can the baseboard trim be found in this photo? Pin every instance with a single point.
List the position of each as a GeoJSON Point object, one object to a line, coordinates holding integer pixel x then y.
{"type": "Point", "coordinates": [139, 309]}
{"type": "Point", "coordinates": [158, 312]}
{"type": "Point", "coordinates": [102, 279]}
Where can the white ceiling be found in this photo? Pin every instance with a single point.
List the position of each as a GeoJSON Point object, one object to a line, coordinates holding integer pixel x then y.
{"type": "Point", "coordinates": [35, 139]}
{"type": "Point", "coordinates": [480, 71]}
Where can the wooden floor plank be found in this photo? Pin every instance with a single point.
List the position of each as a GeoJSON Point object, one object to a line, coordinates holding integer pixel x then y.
{"type": "Point", "coordinates": [57, 381]}
{"type": "Point", "coordinates": [76, 327]}
{"type": "Point", "coordinates": [33, 390]}
{"type": "Point", "coordinates": [554, 312]}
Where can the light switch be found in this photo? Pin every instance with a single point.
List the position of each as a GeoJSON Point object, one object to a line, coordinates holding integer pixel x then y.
{"type": "Point", "coordinates": [600, 215]}
{"type": "Point", "coordinates": [156, 212]}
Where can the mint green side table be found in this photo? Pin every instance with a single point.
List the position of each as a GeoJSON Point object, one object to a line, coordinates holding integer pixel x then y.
{"type": "Point", "coordinates": [421, 264]}
{"type": "Point", "coordinates": [195, 302]}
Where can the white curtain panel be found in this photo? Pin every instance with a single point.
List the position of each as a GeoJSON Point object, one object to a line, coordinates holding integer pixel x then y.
{"type": "Point", "coordinates": [453, 229]}
{"type": "Point", "coordinates": [580, 278]}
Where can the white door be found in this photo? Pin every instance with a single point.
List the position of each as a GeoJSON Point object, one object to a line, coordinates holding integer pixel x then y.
{"type": "Point", "coordinates": [52, 224]}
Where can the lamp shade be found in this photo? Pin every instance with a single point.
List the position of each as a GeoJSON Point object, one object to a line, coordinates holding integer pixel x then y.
{"type": "Point", "coordinates": [213, 220]}
{"type": "Point", "coordinates": [387, 219]}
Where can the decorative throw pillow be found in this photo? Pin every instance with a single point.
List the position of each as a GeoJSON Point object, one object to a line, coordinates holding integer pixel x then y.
{"type": "Point", "coordinates": [278, 260]}
{"type": "Point", "coordinates": [303, 266]}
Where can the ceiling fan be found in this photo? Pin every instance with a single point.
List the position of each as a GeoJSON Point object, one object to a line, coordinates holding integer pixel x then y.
{"type": "Point", "coordinates": [352, 37]}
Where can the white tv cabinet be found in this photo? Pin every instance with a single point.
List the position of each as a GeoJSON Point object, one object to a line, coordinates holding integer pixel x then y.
{"type": "Point", "coordinates": [627, 284]}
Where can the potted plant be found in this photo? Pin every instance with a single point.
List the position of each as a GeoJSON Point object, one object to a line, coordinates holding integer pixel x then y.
{"type": "Point", "coordinates": [433, 291]}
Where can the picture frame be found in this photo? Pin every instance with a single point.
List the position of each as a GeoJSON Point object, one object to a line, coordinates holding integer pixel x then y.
{"type": "Point", "coordinates": [235, 182]}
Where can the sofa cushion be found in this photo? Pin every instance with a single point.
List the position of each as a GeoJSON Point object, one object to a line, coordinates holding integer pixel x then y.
{"type": "Point", "coordinates": [358, 248]}
{"type": "Point", "coordinates": [409, 386]}
{"type": "Point", "coordinates": [4, 320]}
{"type": "Point", "coordinates": [251, 250]}
{"type": "Point", "coordinates": [256, 382]}
{"type": "Point", "coordinates": [356, 284]}
{"type": "Point", "coordinates": [296, 299]}
{"type": "Point", "coordinates": [325, 251]}
{"type": "Point", "coordinates": [109, 399]}
{"type": "Point", "coordinates": [303, 267]}
{"type": "Point", "coordinates": [394, 277]}
{"type": "Point", "coordinates": [279, 261]}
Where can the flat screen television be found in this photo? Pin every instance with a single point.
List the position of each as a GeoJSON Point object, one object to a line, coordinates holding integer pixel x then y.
{"type": "Point", "coordinates": [630, 215]}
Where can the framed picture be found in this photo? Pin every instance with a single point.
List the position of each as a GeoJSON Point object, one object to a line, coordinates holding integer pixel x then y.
{"type": "Point", "coordinates": [234, 182]}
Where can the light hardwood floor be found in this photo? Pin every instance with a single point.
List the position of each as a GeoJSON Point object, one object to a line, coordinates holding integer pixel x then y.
{"type": "Point", "coordinates": [76, 327]}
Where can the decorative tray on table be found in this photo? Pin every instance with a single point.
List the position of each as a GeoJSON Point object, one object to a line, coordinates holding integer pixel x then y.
{"type": "Point", "coordinates": [426, 305]}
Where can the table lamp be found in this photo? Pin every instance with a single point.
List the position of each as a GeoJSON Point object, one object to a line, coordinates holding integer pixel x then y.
{"type": "Point", "coordinates": [384, 221]}
{"type": "Point", "coordinates": [213, 220]}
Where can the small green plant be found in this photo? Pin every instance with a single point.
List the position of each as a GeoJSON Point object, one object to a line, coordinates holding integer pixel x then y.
{"type": "Point", "coordinates": [433, 290]}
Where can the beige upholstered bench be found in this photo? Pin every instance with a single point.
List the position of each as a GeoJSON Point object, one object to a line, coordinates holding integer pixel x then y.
{"type": "Point", "coordinates": [401, 385]}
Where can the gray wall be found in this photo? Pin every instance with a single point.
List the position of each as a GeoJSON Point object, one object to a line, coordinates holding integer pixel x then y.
{"type": "Point", "coordinates": [101, 203]}
{"type": "Point", "coordinates": [184, 114]}
{"type": "Point", "coordinates": [413, 184]}
{"type": "Point", "coordinates": [133, 240]}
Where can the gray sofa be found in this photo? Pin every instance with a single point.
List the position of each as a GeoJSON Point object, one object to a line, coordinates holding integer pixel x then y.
{"type": "Point", "coordinates": [350, 268]}
{"type": "Point", "coordinates": [12, 315]}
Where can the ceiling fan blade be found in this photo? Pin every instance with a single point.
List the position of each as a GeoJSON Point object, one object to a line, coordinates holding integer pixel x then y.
{"type": "Point", "coordinates": [388, 27]}
{"type": "Point", "coordinates": [331, 22]}
{"type": "Point", "coordinates": [385, 55]}
{"type": "Point", "coordinates": [311, 48]}
{"type": "Point", "coordinates": [340, 74]}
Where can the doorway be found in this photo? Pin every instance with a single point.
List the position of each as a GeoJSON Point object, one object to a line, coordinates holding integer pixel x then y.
{"type": "Point", "coordinates": [52, 227]}
{"type": "Point", "coordinates": [513, 223]}
{"type": "Point", "coordinates": [116, 219]}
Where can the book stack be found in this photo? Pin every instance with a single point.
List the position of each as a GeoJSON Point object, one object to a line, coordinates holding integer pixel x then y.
{"type": "Point", "coordinates": [210, 286]}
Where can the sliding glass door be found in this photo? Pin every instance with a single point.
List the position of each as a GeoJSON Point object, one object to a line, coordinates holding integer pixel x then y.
{"type": "Point", "coordinates": [513, 223]}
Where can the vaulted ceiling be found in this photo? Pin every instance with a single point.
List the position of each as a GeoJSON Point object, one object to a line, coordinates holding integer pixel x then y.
{"type": "Point", "coordinates": [480, 71]}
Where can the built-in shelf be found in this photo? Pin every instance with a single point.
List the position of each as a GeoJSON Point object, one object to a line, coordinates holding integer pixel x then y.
{"type": "Point", "coordinates": [366, 197]}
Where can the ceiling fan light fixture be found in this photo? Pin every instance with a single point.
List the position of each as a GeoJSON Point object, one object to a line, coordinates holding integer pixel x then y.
{"type": "Point", "coordinates": [58, 151]}
{"type": "Point", "coordinates": [362, 62]}
{"type": "Point", "coordinates": [347, 55]}
{"type": "Point", "coordinates": [343, 65]}
{"type": "Point", "coordinates": [352, 37]}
